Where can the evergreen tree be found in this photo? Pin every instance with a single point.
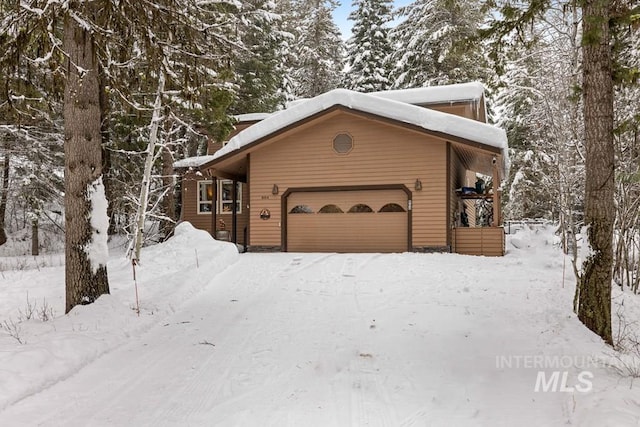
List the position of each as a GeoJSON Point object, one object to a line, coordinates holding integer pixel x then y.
{"type": "Point", "coordinates": [30, 115]}
{"type": "Point", "coordinates": [290, 33]}
{"type": "Point", "coordinates": [318, 49]}
{"type": "Point", "coordinates": [538, 108]}
{"type": "Point", "coordinates": [369, 49]}
{"type": "Point", "coordinates": [434, 43]}
{"type": "Point", "coordinates": [85, 202]}
{"type": "Point", "coordinates": [259, 69]}
{"type": "Point", "coordinates": [627, 138]}
{"type": "Point", "coordinates": [114, 54]}
{"type": "Point", "coordinates": [592, 300]}
{"type": "Point", "coordinates": [593, 292]}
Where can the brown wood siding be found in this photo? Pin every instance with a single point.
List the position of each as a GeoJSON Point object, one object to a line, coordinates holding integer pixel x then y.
{"type": "Point", "coordinates": [213, 146]}
{"type": "Point", "coordinates": [202, 221]}
{"type": "Point", "coordinates": [343, 231]}
{"type": "Point", "coordinates": [454, 168]}
{"type": "Point", "coordinates": [381, 154]}
{"type": "Point", "coordinates": [470, 110]}
{"type": "Point", "coordinates": [454, 179]}
{"type": "Point", "coordinates": [487, 241]}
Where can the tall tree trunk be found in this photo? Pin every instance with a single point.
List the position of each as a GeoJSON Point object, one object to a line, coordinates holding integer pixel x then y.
{"type": "Point", "coordinates": [4, 191]}
{"type": "Point", "coordinates": [594, 288]}
{"type": "Point", "coordinates": [35, 240]}
{"type": "Point", "coordinates": [106, 154]}
{"type": "Point", "coordinates": [85, 212]}
{"type": "Point", "coordinates": [169, 200]}
{"type": "Point", "coordinates": [138, 239]}
{"type": "Point", "coordinates": [108, 189]}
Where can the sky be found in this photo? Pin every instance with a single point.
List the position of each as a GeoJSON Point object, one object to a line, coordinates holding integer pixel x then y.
{"type": "Point", "coordinates": [342, 12]}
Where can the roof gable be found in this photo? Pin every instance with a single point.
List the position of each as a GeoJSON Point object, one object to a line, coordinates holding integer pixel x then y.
{"type": "Point", "coordinates": [402, 112]}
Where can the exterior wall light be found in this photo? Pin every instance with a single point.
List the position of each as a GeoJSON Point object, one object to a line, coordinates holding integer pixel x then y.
{"type": "Point", "coordinates": [418, 185]}
{"type": "Point", "coordinates": [275, 190]}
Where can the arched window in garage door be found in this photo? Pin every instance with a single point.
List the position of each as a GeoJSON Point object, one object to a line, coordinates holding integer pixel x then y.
{"type": "Point", "coordinates": [301, 209]}
{"type": "Point", "coordinates": [392, 207]}
{"type": "Point", "coordinates": [330, 209]}
{"type": "Point", "coordinates": [360, 208]}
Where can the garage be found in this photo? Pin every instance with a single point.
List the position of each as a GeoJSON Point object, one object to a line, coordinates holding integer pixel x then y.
{"type": "Point", "coordinates": [339, 220]}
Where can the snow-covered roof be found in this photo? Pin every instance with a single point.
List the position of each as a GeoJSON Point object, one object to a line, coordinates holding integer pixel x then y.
{"type": "Point", "coordinates": [383, 106]}
{"type": "Point", "coordinates": [426, 95]}
{"type": "Point", "coordinates": [435, 94]}
{"type": "Point", "coordinates": [192, 162]}
{"type": "Point", "coordinates": [251, 117]}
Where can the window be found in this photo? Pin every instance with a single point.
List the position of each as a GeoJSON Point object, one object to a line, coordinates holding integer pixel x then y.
{"type": "Point", "coordinates": [301, 209]}
{"type": "Point", "coordinates": [225, 194]}
{"type": "Point", "coordinates": [342, 143]}
{"type": "Point", "coordinates": [392, 207]}
{"type": "Point", "coordinates": [225, 200]}
{"type": "Point", "coordinates": [330, 209]}
{"type": "Point", "coordinates": [205, 195]}
{"type": "Point", "coordinates": [360, 208]}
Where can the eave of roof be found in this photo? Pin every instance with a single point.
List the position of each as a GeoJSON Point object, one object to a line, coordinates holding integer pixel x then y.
{"type": "Point", "coordinates": [460, 92]}
{"type": "Point", "coordinates": [193, 162]}
{"type": "Point", "coordinates": [251, 117]}
{"type": "Point", "coordinates": [473, 91]}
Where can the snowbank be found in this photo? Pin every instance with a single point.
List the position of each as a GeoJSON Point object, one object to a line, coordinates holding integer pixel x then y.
{"type": "Point", "coordinates": [170, 273]}
{"type": "Point", "coordinates": [323, 339]}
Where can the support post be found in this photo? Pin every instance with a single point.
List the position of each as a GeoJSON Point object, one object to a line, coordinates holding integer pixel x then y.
{"type": "Point", "coordinates": [214, 205]}
{"type": "Point", "coordinates": [234, 212]}
{"type": "Point", "coordinates": [496, 197]}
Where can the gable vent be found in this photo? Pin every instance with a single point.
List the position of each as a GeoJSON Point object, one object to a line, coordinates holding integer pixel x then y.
{"type": "Point", "coordinates": [342, 143]}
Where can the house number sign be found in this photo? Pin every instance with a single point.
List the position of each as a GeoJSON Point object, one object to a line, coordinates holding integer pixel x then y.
{"type": "Point", "coordinates": [265, 214]}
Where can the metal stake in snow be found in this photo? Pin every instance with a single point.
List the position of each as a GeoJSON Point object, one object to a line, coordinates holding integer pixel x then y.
{"type": "Point", "coordinates": [146, 178]}
{"type": "Point", "coordinates": [135, 285]}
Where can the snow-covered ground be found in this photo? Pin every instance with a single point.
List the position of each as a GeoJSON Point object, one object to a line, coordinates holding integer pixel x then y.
{"type": "Point", "coordinates": [287, 339]}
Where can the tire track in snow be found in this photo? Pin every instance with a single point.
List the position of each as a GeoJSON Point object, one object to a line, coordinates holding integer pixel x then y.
{"type": "Point", "coordinates": [371, 403]}
{"type": "Point", "coordinates": [208, 389]}
{"type": "Point", "coordinates": [246, 371]}
{"type": "Point", "coordinates": [142, 369]}
{"type": "Point", "coordinates": [297, 265]}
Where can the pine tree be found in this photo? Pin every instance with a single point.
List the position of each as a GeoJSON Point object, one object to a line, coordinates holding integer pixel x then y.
{"type": "Point", "coordinates": [30, 116]}
{"type": "Point", "coordinates": [85, 202]}
{"type": "Point", "coordinates": [594, 287]}
{"type": "Point", "coordinates": [434, 43]}
{"type": "Point", "coordinates": [592, 300]}
{"type": "Point", "coordinates": [627, 135]}
{"type": "Point", "coordinates": [539, 109]}
{"type": "Point", "coordinates": [318, 49]}
{"type": "Point", "coordinates": [114, 53]}
{"type": "Point", "coordinates": [369, 48]}
{"type": "Point", "coordinates": [287, 60]}
{"type": "Point", "coordinates": [259, 69]}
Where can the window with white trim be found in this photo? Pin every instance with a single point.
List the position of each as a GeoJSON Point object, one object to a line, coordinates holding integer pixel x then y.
{"type": "Point", "coordinates": [225, 197]}
{"type": "Point", "coordinates": [205, 196]}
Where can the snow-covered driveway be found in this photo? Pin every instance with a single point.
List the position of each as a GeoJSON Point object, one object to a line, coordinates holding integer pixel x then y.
{"type": "Point", "coordinates": [339, 340]}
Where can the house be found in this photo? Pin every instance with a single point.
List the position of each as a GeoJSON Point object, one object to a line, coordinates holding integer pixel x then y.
{"type": "Point", "coordinates": [388, 171]}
